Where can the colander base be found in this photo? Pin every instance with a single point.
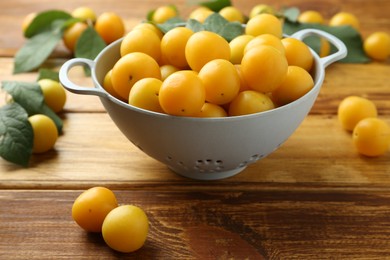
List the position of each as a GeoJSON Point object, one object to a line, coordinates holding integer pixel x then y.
{"type": "Point", "coordinates": [207, 176]}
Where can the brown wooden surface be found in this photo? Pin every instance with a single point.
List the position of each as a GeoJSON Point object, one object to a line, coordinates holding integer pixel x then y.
{"type": "Point", "coordinates": [314, 198]}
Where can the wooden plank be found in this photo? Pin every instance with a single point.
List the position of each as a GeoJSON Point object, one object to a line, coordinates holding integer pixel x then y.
{"type": "Point", "coordinates": [263, 224]}
{"type": "Point", "coordinates": [93, 151]}
{"type": "Point", "coordinates": [342, 80]}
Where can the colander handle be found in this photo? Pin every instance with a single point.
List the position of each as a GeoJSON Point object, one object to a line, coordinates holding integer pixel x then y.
{"type": "Point", "coordinates": [340, 46]}
{"type": "Point", "coordinates": [72, 87]}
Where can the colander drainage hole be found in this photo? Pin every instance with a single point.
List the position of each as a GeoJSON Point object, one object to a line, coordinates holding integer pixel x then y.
{"type": "Point", "coordinates": [252, 159]}
{"type": "Point", "coordinates": [209, 165]}
{"type": "Point", "coordinates": [256, 157]}
{"type": "Point", "coordinates": [242, 164]}
{"type": "Point", "coordinates": [209, 162]}
{"type": "Point", "coordinates": [204, 162]}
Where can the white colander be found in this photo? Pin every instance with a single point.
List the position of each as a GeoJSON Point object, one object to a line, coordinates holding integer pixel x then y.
{"type": "Point", "coordinates": [203, 148]}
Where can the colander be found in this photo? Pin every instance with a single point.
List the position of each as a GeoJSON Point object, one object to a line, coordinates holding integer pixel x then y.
{"type": "Point", "coordinates": [203, 148]}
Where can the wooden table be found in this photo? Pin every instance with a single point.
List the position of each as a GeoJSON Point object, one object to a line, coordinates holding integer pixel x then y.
{"type": "Point", "coordinates": [314, 198]}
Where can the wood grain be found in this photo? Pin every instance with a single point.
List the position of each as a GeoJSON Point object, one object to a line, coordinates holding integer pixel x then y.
{"type": "Point", "coordinates": [264, 224]}
{"type": "Point", "coordinates": [313, 198]}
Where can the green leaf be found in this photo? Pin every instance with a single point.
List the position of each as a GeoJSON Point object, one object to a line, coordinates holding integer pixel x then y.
{"type": "Point", "coordinates": [231, 30]}
{"type": "Point", "coordinates": [16, 134]}
{"type": "Point", "coordinates": [43, 21]}
{"type": "Point", "coordinates": [348, 35]}
{"type": "Point", "coordinates": [228, 30]}
{"type": "Point", "coordinates": [291, 14]}
{"type": "Point", "coordinates": [170, 24]}
{"type": "Point", "coordinates": [36, 50]}
{"type": "Point", "coordinates": [44, 109]}
{"type": "Point", "coordinates": [314, 42]}
{"type": "Point", "coordinates": [214, 5]}
{"type": "Point", "coordinates": [89, 45]}
{"type": "Point", "coordinates": [195, 25]}
{"type": "Point", "coordinates": [48, 74]}
{"type": "Point", "coordinates": [215, 23]}
{"type": "Point", "coordinates": [29, 95]}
